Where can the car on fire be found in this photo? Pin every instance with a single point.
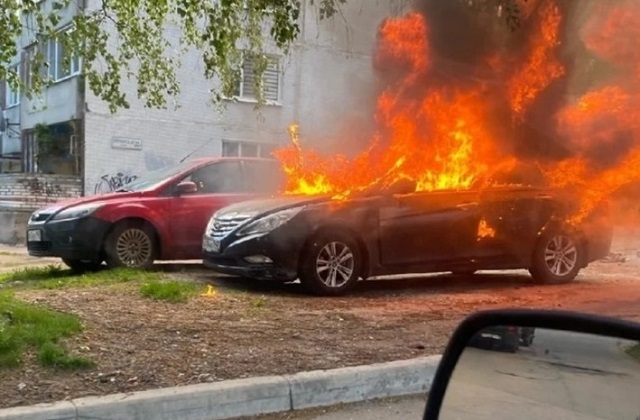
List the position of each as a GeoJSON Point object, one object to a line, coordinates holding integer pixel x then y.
{"type": "Point", "coordinates": [330, 244]}
{"type": "Point", "coordinates": [160, 216]}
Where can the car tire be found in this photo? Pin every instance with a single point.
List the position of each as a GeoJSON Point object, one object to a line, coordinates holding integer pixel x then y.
{"type": "Point", "coordinates": [526, 336]}
{"type": "Point", "coordinates": [556, 258]}
{"type": "Point", "coordinates": [512, 347]}
{"type": "Point", "coordinates": [331, 264]}
{"type": "Point", "coordinates": [82, 266]}
{"type": "Point", "coordinates": [131, 244]}
{"type": "Point", "coordinates": [527, 341]}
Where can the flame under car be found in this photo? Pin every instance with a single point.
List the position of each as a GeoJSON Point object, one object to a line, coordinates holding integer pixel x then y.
{"type": "Point", "coordinates": [330, 244]}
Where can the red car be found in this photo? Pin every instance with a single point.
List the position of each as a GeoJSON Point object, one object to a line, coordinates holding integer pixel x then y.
{"type": "Point", "coordinates": [161, 216]}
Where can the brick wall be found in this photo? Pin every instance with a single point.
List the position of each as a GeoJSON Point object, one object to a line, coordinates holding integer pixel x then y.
{"type": "Point", "coordinates": [30, 191]}
{"type": "Point", "coordinates": [21, 194]}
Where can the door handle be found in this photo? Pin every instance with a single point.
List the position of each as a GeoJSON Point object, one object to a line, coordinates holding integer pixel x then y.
{"type": "Point", "coordinates": [466, 206]}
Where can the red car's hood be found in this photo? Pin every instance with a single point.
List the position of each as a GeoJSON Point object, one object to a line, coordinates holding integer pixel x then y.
{"type": "Point", "coordinates": [110, 198]}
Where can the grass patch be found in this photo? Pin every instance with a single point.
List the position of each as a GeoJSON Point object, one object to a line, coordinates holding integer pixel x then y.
{"type": "Point", "coordinates": [35, 273]}
{"type": "Point", "coordinates": [169, 291]}
{"type": "Point", "coordinates": [55, 277]}
{"type": "Point", "coordinates": [258, 302]}
{"type": "Point", "coordinates": [25, 326]}
{"type": "Point", "coordinates": [634, 351]}
{"type": "Point", "coordinates": [8, 254]}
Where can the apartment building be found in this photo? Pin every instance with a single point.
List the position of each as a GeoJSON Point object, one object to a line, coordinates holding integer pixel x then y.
{"type": "Point", "coordinates": [65, 142]}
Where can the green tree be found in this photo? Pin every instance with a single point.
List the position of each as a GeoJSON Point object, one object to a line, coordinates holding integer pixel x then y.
{"type": "Point", "coordinates": [128, 39]}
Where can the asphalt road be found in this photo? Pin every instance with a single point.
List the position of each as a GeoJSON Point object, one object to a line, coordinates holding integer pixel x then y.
{"type": "Point", "coordinates": [561, 376]}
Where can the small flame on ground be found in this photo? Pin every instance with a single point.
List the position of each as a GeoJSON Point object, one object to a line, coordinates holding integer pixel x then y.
{"type": "Point", "coordinates": [210, 292]}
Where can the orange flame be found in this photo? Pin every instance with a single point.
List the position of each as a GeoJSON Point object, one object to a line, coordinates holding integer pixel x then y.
{"type": "Point", "coordinates": [436, 140]}
{"type": "Point", "coordinates": [485, 231]}
{"type": "Point", "coordinates": [541, 67]}
{"type": "Point", "coordinates": [448, 136]}
{"type": "Point", "coordinates": [210, 292]}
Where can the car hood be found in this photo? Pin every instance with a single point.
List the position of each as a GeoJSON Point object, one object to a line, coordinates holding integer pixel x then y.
{"type": "Point", "coordinates": [73, 202]}
{"type": "Point", "coordinates": [253, 208]}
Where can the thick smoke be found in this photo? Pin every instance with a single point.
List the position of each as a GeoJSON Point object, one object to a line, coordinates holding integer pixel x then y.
{"type": "Point", "coordinates": [462, 41]}
{"type": "Point", "coordinates": [463, 96]}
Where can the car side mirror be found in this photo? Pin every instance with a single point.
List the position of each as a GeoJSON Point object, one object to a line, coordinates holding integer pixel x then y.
{"type": "Point", "coordinates": [510, 363]}
{"type": "Point", "coordinates": [186, 187]}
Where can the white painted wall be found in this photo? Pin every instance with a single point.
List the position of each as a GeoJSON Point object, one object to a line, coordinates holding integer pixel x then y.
{"type": "Point", "coordinates": [327, 87]}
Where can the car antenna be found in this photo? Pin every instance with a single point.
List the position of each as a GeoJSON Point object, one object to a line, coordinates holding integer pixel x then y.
{"type": "Point", "coordinates": [195, 150]}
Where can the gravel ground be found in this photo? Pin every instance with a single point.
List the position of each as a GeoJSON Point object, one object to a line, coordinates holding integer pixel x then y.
{"type": "Point", "coordinates": [250, 329]}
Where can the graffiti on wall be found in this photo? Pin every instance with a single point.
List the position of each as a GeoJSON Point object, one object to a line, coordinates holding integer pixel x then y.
{"type": "Point", "coordinates": [110, 183]}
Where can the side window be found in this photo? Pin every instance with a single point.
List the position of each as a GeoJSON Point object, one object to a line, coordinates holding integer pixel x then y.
{"type": "Point", "coordinates": [218, 178]}
{"type": "Point", "coordinates": [264, 177]}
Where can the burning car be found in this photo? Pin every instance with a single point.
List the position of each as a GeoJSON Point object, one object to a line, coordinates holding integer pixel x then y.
{"type": "Point", "coordinates": [330, 243]}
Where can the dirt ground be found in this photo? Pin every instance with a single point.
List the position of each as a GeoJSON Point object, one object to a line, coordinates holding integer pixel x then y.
{"type": "Point", "coordinates": [250, 329]}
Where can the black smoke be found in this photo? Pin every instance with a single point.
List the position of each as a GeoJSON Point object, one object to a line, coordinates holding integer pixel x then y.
{"type": "Point", "coordinates": [461, 39]}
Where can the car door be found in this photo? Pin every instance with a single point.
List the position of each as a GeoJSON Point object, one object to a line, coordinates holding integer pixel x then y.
{"type": "Point", "coordinates": [429, 227]}
{"type": "Point", "coordinates": [219, 184]}
{"type": "Point", "coordinates": [515, 216]}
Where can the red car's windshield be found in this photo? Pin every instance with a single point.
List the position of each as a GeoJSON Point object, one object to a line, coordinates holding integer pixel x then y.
{"type": "Point", "coordinates": [152, 179]}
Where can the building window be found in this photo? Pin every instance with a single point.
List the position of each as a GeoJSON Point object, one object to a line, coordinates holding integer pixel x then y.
{"type": "Point", "coordinates": [246, 149]}
{"type": "Point", "coordinates": [271, 79]}
{"type": "Point", "coordinates": [52, 53]}
{"type": "Point", "coordinates": [13, 95]}
{"type": "Point", "coordinates": [59, 69]}
{"type": "Point", "coordinates": [52, 149]}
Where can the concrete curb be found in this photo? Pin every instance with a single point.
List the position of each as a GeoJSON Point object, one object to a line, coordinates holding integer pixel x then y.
{"type": "Point", "coordinates": [246, 397]}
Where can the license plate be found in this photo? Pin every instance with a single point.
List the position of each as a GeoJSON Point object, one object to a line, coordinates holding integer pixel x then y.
{"type": "Point", "coordinates": [34, 236]}
{"type": "Point", "coordinates": [493, 336]}
{"type": "Point", "coordinates": [211, 245]}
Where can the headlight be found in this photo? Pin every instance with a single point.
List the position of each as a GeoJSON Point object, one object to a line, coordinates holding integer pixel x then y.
{"type": "Point", "coordinates": [77, 211]}
{"type": "Point", "coordinates": [210, 224]}
{"type": "Point", "coordinates": [268, 223]}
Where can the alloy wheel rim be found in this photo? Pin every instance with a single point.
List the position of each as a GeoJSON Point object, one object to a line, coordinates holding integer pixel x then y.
{"type": "Point", "coordinates": [335, 264]}
{"type": "Point", "coordinates": [133, 247]}
{"type": "Point", "coordinates": [561, 255]}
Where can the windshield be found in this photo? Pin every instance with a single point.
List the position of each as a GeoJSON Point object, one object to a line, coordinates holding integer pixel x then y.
{"type": "Point", "coordinates": [154, 178]}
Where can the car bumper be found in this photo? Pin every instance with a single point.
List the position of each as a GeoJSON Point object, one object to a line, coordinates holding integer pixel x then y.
{"type": "Point", "coordinates": [598, 232]}
{"type": "Point", "coordinates": [234, 259]}
{"type": "Point", "coordinates": [239, 267]}
{"type": "Point", "coordinates": [77, 239]}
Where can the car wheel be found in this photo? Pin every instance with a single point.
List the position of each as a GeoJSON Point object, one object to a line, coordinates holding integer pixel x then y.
{"type": "Point", "coordinates": [131, 245]}
{"type": "Point", "coordinates": [527, 336]}
{"type": "Point", "coordinates": [527, 341]}
{"type": "Point", "coordinates": [556, 259]}
{"type": "Point", "coordinates": [512, 347]}
{"type": "Point", "coordinates": [331, 265]}
{"type": "Point", "coordinates": [82, 266]}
